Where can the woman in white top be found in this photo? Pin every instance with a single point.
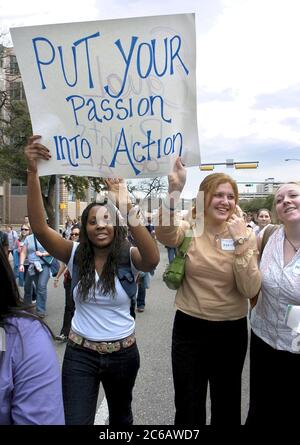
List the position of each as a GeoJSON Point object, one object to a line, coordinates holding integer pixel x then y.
{"type": "Point", "coordinates": [263, 219]}
{"type": "Point", "coordinates": [275, 337]}
{"type": "Point", "coordinates": [101, 346]}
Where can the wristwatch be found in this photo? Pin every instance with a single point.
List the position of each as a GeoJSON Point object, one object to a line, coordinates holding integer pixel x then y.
{"type": "Point", "coordinates": [240, 241]}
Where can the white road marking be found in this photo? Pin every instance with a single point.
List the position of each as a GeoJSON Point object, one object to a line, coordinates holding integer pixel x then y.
{"type": "Point", "coordinates": [102, 413]}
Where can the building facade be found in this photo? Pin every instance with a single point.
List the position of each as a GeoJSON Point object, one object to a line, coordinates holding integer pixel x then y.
{"type": "Point", "coordinates": [13, 193]}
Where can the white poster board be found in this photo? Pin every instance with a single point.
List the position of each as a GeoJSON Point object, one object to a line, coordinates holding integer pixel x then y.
{"type": "Point", "coordinates": [112, 98]}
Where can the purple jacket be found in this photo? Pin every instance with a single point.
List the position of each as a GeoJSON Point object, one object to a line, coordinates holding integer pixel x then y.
{"type": "Point", "coordinates": [30, 381]}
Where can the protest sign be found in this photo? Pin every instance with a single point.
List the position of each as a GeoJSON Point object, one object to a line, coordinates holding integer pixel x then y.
{"type": "Point", "coordinates": [112, 98]}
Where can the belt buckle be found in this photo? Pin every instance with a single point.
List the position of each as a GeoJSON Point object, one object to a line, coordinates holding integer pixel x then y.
{"type": "Point", "coordinates": [110, 348]}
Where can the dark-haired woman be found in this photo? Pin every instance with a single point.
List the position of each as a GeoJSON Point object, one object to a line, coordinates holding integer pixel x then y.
{"type": "Point", "coordinates": [101, 345]}
{"type": "Point", "coordinates": [30, 384]}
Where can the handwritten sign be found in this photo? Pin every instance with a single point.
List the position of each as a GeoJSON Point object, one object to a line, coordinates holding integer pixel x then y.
{"type": "Point", "coordinates": [112, 98]}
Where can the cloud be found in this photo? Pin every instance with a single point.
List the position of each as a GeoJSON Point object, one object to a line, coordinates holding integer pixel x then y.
{"type": "Point", "coordinates": [285, 98]}
{"type": "Point", "coordinates": [248, 69]}
{"type": "Point", "coordinates": [204, 95]}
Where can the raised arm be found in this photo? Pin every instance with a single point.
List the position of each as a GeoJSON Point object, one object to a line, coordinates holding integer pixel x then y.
{"type": "Point", "coordinates": [49, 238]}
{"type": "Point", "coordinates": [145, 255]}
{"type": "Point", "coordinates": [166, 231]}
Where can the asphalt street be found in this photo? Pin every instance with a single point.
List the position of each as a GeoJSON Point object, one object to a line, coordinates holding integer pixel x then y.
{"type": "Point", "coordinates": [153, 394]}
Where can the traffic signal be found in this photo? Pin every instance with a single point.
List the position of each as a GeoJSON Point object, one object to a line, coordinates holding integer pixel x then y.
{"type": "Point", "coordinates": [206, 167]}
{"type": "Point", "coordinates": [239, 165]}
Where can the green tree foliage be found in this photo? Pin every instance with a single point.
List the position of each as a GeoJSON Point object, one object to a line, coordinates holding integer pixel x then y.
{"type": "Point", "coordinates": [253, 205]}
{"type": "Point", "coordinates": [15, 133]}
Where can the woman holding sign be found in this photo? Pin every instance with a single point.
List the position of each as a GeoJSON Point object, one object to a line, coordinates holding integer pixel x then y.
{"type": "Point", "coordinates": [275, 320]}
{"type": "Point", "coordinates": [102, 345]}
{"type": "Point", "coordinates": [210, 329]}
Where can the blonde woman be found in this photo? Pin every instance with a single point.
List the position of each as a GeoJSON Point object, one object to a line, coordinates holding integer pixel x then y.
{"type": "Point", "coordinates": [275, 337]}
{"type": "Point", "coordinates": [210, 328]}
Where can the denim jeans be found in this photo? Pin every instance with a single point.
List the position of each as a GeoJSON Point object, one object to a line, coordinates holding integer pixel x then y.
{"type": "Point", "coordinates": [141, 296]}
{"type": "Point", "coordinates": [171, 253]}
{"type": "Point", "coordinates": [40, 280]}
{"type": "Point", "coordinates": [83, 371]}
{"type": "Point", "coordinates": [203, 352]}
{"type": "Point", "coordinates": [16, 257]}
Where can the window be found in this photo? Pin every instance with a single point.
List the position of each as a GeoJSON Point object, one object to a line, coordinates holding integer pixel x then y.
{"type": "Point", "coordinates": [16, 91]}
{"type": "Point", "coordinates": [14, 69]}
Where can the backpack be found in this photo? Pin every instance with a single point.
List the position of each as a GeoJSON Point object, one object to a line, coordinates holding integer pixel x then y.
{"type": "Point", "coordinates": [269, 230]}
{"type": "Point", "coordinates": [124, 273]}
{"type": "Point", "coordinates": [267, 233]}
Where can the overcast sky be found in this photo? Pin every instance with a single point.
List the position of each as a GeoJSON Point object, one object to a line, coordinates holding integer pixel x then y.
{"type": "Point", "coordinates": [248, 74]}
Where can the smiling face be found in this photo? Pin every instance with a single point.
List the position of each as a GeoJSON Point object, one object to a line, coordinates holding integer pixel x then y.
{"type": "Point", "coordinates": [99, 227]}
{"type": "Point", "coordinates": [263, 218]}
{"type": "Point", "coordinates": [287, 203]}
{"type": "Point", "coordinates": [221, 204]}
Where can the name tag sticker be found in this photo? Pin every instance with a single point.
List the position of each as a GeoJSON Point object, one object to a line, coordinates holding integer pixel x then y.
{"type": "Point", "coordinates": [296, 268]}
{"type": "Point", "coordinates": [227, 244]}
{"type": "Point", "coordinates": [292, 317]}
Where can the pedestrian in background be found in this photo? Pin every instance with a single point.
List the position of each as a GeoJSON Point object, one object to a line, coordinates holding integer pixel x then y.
{"type": "Point", "coordinates": [69, 302]}
{"type": "Point", "coordinates": [20, 276]}
{"type": "Point", "coordinates": [263, 219]}
{"type": "Point", "coordinates": [102, 345]}
{"type": "Point", "coordinates": [30, 381]}
{"type": "Point", "coordinates": [275, 338]}
{"type": "Point", "coordinates": [209, 341]}
{"type": "Point", "coordinates": [37, 274]}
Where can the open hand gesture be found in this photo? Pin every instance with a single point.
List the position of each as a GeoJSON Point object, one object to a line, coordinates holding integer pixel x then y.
{"type": "Point", "coordinates": [177, 177]}
{"type": "Point", "coordinates": [118, 193]}
{"type": "Point", "coordinates": [236, 224]}
{"type": "Point", "coordinates": [34, 151]}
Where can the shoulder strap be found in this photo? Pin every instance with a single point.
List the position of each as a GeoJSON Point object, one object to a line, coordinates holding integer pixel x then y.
{"type": "Point", "coordinates": [267, 233]}
{"type": "Point", "coordinates": [182, 249]}
{"type": "Point", "coordinates": [42, 258]}
{"type": "Point", "coordinates": [75, 272]}
{"type": "Point", "coordinates": [124, 272]}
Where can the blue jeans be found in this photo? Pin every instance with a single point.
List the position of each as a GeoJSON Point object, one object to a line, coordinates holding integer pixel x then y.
{"type": "Point", "coordinates": [83, 371]}
{"type": "Point", "coordinates": [40, 280]}
{"type": "Point", "coordinates": [171, 253]}
{"type": "Point", "coordinates": [144, 283]}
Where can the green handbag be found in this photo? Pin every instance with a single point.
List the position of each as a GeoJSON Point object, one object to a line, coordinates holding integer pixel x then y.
{"type": "Point", "coordinates": [174, 272]}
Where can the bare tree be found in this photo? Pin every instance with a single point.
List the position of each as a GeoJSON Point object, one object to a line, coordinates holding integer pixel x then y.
{"type": "Point", "coordinates": [147, 192]}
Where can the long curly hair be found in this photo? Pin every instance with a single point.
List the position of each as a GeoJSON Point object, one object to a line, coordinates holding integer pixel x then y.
{"type": "Point", "coordinates": [85, 257]}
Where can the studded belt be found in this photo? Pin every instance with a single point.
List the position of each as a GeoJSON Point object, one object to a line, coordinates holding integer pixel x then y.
{"type": "Point", "coordinates": [102, 347]}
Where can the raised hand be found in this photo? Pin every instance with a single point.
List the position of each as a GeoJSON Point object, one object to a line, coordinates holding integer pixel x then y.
{"type": "Point", "coordinates": [118, 193]}
{"type": "Point", "coordinates": [34, 151]}
{"type": "Point", "coordinates": [177, 177]}
{"type": "Point", "coordinates": [236, 224]}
